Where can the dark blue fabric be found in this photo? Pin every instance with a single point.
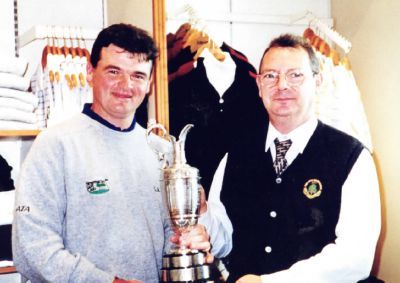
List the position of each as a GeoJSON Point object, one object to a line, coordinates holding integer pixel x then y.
{"type": "Point", "coordinates": [87, 110]}
{"type": "Point", "coordinates": [6, 182]}
{"type": "Point", "coordinates": [5, 242]}
{"type": "Point", "coordinates": [300, 227]}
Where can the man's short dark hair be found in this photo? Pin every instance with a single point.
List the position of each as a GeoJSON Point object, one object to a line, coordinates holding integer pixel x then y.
{"type": "Point", "coordinates": [127, 37]}
{"type": "Point", "coordinates": [294, 41]}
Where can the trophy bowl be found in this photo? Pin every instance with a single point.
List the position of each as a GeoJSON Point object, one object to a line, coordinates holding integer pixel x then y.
{"type": "Point", "coordinates": [181, 194]}
{"type": "Point", "coordinates": [182, 197]}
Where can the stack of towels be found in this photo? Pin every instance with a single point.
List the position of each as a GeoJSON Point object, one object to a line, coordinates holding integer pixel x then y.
{"type": "Point", "coordinates": [17, 103]}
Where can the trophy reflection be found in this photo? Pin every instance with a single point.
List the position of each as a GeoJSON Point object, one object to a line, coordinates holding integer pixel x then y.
{"type": "Point", "coordinates": [181, 192]}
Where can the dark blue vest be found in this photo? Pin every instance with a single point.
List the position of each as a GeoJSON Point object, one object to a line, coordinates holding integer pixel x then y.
{"type": "Point", "coordinates": [277, 224]}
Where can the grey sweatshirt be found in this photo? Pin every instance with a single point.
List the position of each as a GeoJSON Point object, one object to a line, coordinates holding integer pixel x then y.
{"type": "Point", "coordinates": [89, 207]}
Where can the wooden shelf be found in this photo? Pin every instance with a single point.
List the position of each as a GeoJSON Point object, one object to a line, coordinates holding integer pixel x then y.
{"type": "Point", "coordinates": [8, 269]}
{"type": "Point", "coordinates": [19, 133]}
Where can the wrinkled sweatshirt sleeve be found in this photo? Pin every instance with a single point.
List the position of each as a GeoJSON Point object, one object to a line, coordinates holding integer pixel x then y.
{"type": "Point", "coordinates": [40, 206]}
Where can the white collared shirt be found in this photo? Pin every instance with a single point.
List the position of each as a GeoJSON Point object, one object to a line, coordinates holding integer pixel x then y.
{"type": "Point", "coordinates": [350, 258]}
{"type": "Point", "coordinates": [299, 137]}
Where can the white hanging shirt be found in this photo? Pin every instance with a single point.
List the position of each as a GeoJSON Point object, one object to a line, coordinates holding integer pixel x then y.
{"type": "Point", "coordinates": [220, 74]}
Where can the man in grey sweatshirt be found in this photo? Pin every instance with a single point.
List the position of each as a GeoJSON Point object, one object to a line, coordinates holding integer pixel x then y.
{"type": "Point", "coordinates": [88, 202]}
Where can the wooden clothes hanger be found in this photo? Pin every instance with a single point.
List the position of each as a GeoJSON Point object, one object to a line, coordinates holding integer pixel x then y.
{"type": "Point", "coordinates": [329, 32]}
{"type": "Point", "coordinates": [317, 42]}
{"type": "Point", "coordinates": [194, 36]}
{"type": "Point", "coordinates": [214, 49]}
{"type": "Point", "coordinates": [196, 40]}
{"type": "Point", "coordinates": [46, 50]}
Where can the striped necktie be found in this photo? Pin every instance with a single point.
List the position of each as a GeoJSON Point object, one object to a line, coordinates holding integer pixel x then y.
{"type": "Point", "coordinates": [280, 162]}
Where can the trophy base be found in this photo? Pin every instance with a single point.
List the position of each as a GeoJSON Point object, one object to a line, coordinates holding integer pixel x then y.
{"type": "Point", "coordinates": [185, 266]}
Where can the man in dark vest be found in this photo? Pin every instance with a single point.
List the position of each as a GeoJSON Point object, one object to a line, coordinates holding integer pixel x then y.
{"type": "Point", "coordinates": [296, 200]}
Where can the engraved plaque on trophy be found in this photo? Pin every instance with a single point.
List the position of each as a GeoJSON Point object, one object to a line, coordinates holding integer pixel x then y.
{"type": "Point", "coordinates": [181, 189]}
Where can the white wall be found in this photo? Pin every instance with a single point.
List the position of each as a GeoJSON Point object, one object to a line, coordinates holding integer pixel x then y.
{"type": "Point", "coordinates": [372, 26]}
{"type": "Point", "coordinates": [7, 27]}
{"type": "Point", "coordinates": [136, 12]}
{"type": "Point", "coordinates": [87, 13]}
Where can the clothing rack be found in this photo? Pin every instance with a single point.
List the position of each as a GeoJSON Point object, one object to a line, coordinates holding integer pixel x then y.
{"type": "Point", "coordinates": [43, 32]}
{"type": "Point", "coordinates": [332, 34]}
{"type": "Point", "coordinates": [187, 13]}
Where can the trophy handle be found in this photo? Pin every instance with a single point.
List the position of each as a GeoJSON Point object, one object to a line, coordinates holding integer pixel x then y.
{"type": "Point", "coordinates": [165, 135]}
{"type": "Point", "coordinates": [185, 130]}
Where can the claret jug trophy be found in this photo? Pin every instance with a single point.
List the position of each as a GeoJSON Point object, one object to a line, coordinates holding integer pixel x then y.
{"type": "Point", "coordinates": [181, 193]}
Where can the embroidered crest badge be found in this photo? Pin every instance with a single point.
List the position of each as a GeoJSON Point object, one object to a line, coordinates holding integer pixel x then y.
{"type": "Point", "coordinates": [98, 187]}
{"type": "Point", "coordinates": [312, 188]}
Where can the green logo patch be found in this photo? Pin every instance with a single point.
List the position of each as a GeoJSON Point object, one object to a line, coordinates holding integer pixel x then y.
{"type": "Point", "coordinates": [97, 187]}
{"type": "Point", "coordinates": [312, 188]}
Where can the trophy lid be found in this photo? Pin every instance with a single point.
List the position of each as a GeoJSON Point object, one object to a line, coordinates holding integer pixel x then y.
{"type": "Point", "coordinates": [179, 167]}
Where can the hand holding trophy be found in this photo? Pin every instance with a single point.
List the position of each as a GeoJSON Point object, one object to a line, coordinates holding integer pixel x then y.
{"type": "Point", "coordinates": [181, 192]}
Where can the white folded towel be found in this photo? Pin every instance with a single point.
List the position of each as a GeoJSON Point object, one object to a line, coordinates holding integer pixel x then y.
{"type": "Point", "coordinates": [25, 96]}
{"type": "Point", "coordinates": [9, 102]}
{"type": "Point", "coordinates": [6, 263]}
{"type": "Point", "coordinates": [10, 114]}
{"type": "Point", "coordinates": [15, 125]}
{"type": "Point", "coordinates": [13, 65]}
{"type": "Point", "coordinates": [14, 81]}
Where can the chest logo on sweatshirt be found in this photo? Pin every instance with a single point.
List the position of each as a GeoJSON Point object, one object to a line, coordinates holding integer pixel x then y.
{"type": "Point", "coordinates": [98, 187]}
{"type": "Point", "coordinates": [312, 188]}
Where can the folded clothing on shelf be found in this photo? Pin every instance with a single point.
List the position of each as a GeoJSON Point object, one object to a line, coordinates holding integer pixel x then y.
{"type": "Point", "coordinates": [9, 102]}
{"type": "Point", "coordinates": [24, 96]}
{"type": "Point", "coordinates": [13, 65]}
{"type": "Point", "coordinates": [12, 114]}
{"type": "Point", "coordinates": [15, 125]}
{"type": "Point", "coordinates": [13, 81]}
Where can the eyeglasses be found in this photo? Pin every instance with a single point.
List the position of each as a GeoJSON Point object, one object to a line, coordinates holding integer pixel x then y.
{"type": "Point", "coordinates": [292, 77]}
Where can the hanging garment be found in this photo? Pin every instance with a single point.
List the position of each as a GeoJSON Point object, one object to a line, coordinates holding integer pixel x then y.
{"type": "Point", "coordinates": [220, 74]}
{"type": "Point", "coordinates": [338, 101]}
{"type": "Point", "coordinates": [184, 56]}
{"type": "Point", "coordinates": [193, 99]}
{"type": "Point", "coordinates": [60, 81]}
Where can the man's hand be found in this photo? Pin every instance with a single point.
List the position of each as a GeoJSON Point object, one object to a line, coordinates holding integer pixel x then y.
{"type": "Point", "coordinates": [195, 239]}
{"type": "Point", "coordinates": [249, 278]}
{"type": "Point", "coordinates": [203, 201]}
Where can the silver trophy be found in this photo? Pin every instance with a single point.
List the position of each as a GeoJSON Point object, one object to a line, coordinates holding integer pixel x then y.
{"type": "Point", "coordinates": [181, 191]}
